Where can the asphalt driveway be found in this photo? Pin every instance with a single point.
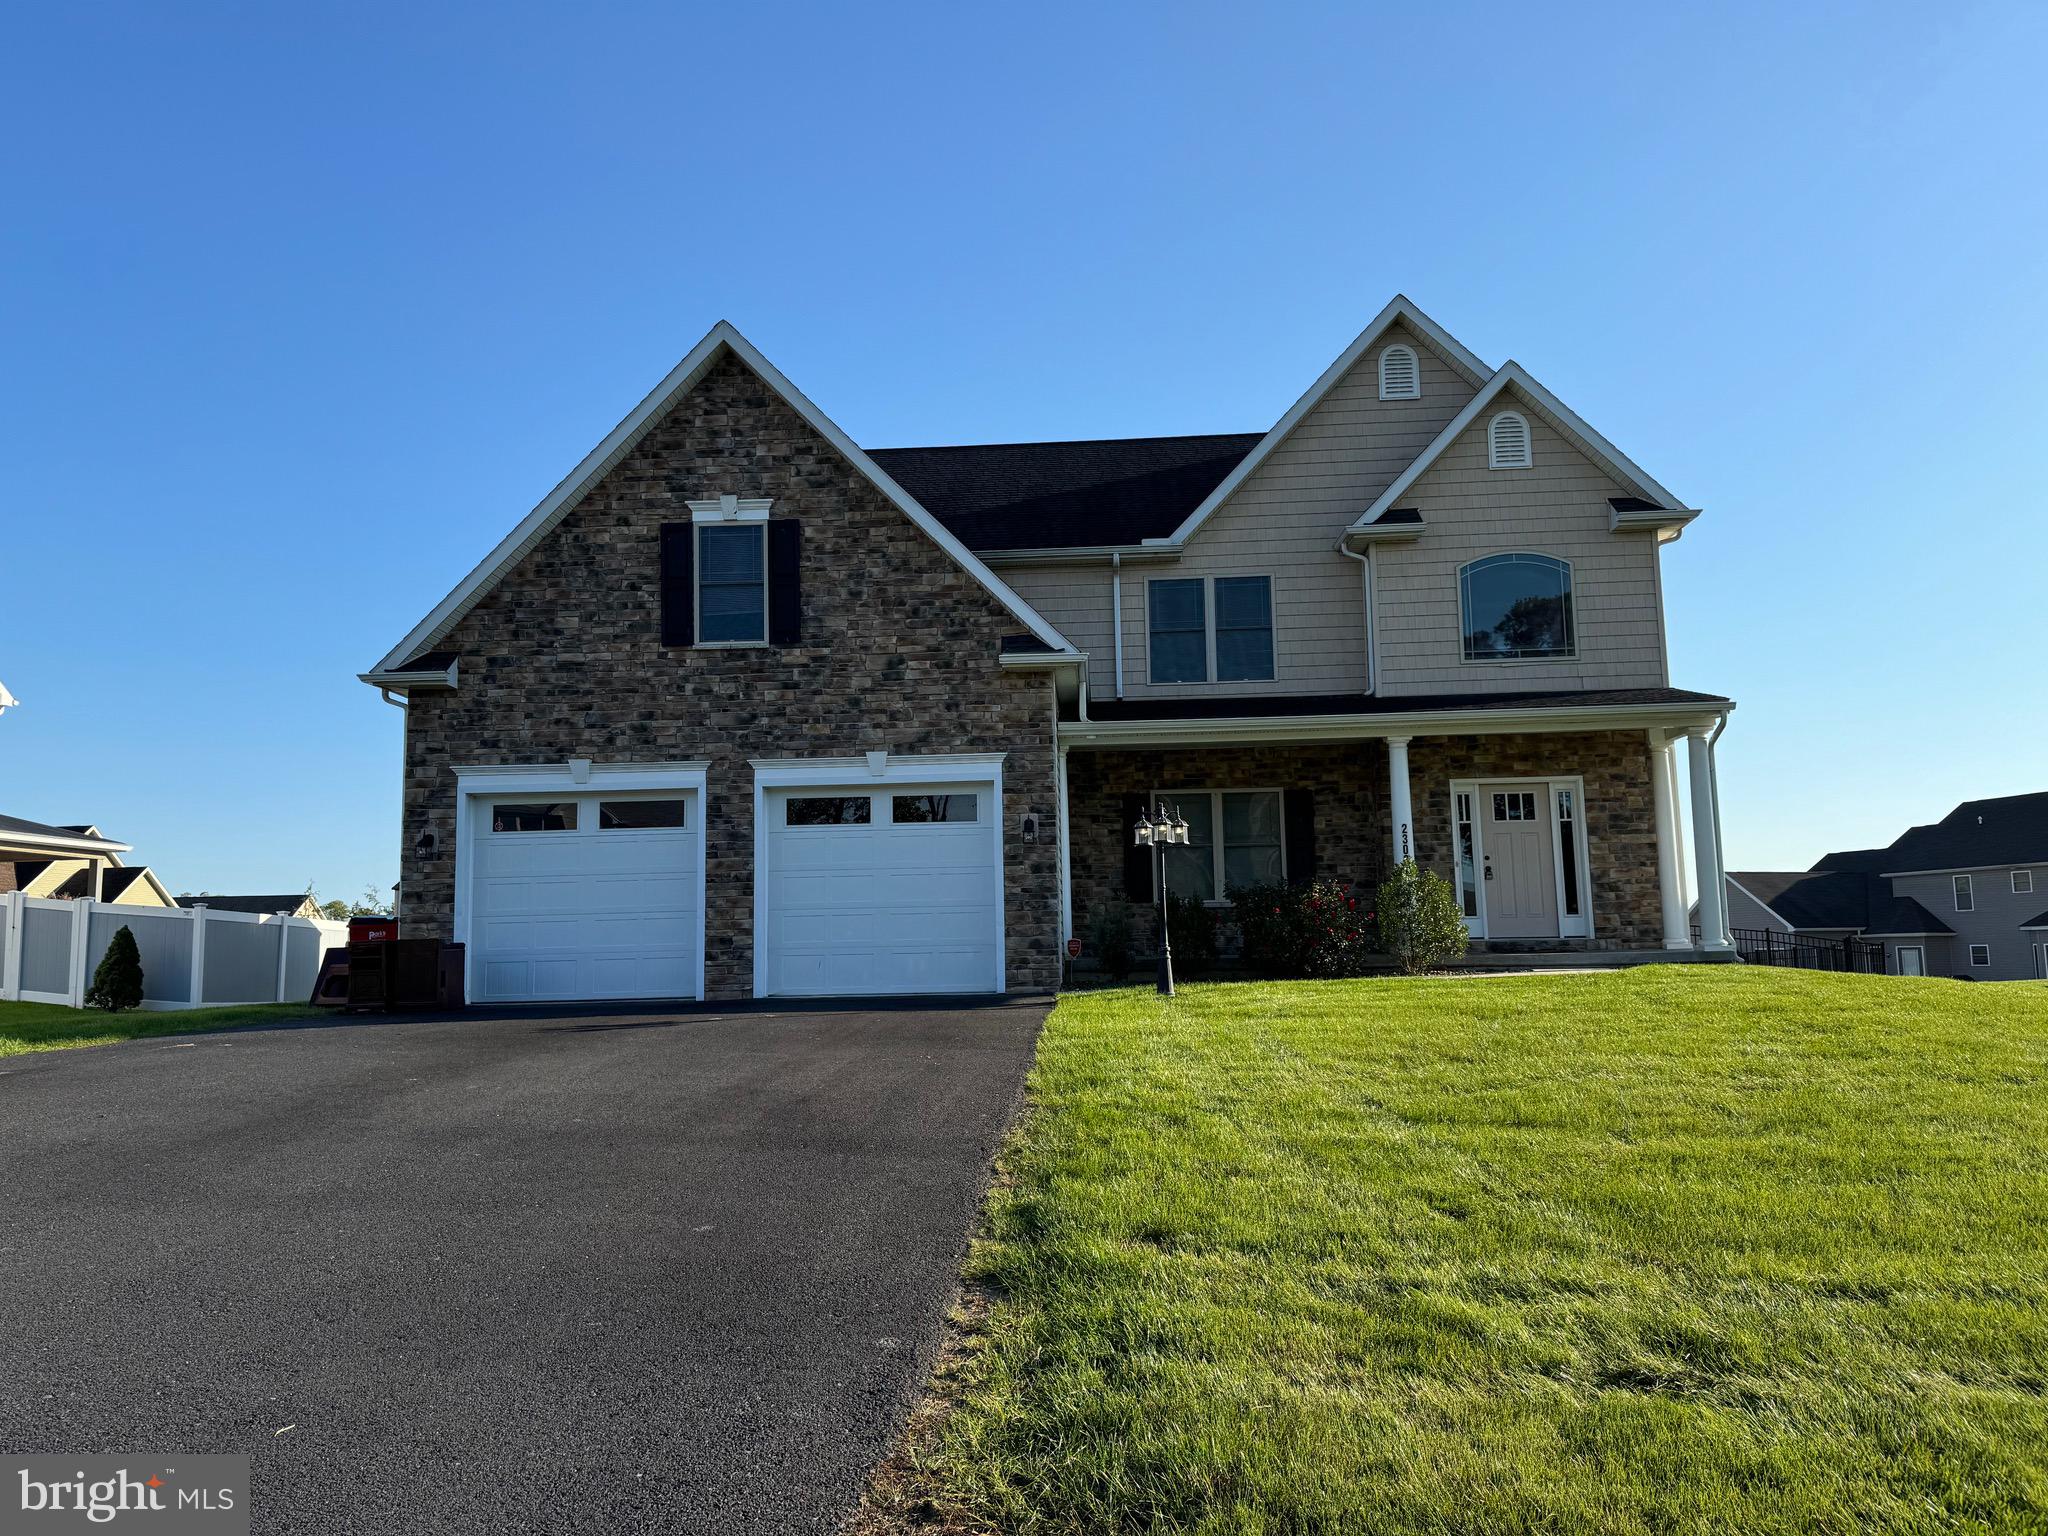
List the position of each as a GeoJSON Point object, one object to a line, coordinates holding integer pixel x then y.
{"type": "Point", "coordinates": [647, 1272]}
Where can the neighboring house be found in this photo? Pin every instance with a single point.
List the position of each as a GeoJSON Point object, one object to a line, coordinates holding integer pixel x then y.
{"type": "Point", "coordinates": [293, 904]}
{"type": "Point", "coordinates": [1966, 896]}
{"type": "Point", "coordinates": [65, 863]}
{"type": "Point", "coordinates": [741, 708]}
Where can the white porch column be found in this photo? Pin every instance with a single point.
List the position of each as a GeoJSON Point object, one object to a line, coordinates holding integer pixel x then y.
{"type": "Point", "coordinates": [1706, 845]}
{"type": "Point", "coordinates": [1678, 823]}
{"type": "Point", "coordinates": [1401, 809]}
{"type": "Point", "coordinates": [1670, 857]}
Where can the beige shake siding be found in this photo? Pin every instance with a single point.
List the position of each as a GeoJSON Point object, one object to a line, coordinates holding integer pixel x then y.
{"type": "Point", "coordinates": [1557, 508]}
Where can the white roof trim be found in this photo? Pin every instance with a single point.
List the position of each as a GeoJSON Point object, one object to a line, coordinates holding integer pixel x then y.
{"type": "Point", "coordinates": [1401, 310]}
{"type": "Point", "coordinates": [1554, 411]}
{"type": "Point", "coordinates": [622, 439]}
{"type": "Point", "coordinates": [6, 698]}
{"type": "Point", "coordinates": [37, 842]}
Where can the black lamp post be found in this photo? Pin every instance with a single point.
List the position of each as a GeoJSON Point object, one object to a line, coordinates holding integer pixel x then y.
{"type": "Point", "coordinates": [1160, 834]}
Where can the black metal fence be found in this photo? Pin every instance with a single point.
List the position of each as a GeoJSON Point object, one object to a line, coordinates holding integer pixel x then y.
{"type": "Point", "coordinates": [1805, 951]}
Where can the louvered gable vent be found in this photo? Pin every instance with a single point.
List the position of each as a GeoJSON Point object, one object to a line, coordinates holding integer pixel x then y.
{"type": "Point", "coordinates": [1507, 442]}
{"type": "Point", "coordinates": [1400, 378]}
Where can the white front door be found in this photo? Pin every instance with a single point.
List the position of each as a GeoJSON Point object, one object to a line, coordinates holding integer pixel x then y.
{"type": "Point", "coordinates": [585, 896]}
{"type": "Point", "coordinates": [1520, 871]}
{"type": "Point", "coordinates": [870, 890]}
{"type": "Point", "coordinates": [1912, 960]}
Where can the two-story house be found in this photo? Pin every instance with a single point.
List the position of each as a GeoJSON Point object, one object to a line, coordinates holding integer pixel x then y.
{"type": "Point", "coordinates": [1963, 896]}
{"type": "Point", "coordinates": [743, 709]}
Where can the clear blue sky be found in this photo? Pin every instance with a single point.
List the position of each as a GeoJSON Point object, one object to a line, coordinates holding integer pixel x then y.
{"type": "Point", "coordinates": [302, 307]}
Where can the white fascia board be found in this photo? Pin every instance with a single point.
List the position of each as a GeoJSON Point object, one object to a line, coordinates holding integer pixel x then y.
{"type": "Point", "coordinates": [1090, 554]}
{"type": "Point", "coordinates": [622, 439]}
{"type": "Point", "coordinates": [1029, 661]}
{"type": "Point", "coordinates": [430, 677]}
{"type": "Point", "coordinates": [1960, 869]}
{"type": "Point", "coordinates": [1400, 309]}
{"type": "Point", "coordinates": [917, 768]}
{"type": "Point", "coordinates": [38, 842]}
{"type": "Point", "coordinates": [1459, 722]}
{"type": "Point", "coordinates": [1554, 411]}
{"type": "Point", "coordinates": [1672, 520]}
{"type": "Point", "coordinates": [1392, 533]}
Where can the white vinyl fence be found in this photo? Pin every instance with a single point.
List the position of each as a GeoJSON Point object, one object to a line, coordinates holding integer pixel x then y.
{"type": "Point", "coordinates": [191, 957]}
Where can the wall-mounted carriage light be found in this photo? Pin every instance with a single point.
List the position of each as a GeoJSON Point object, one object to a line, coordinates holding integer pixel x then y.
{"type": "Point", "coordinates": [423, 846]}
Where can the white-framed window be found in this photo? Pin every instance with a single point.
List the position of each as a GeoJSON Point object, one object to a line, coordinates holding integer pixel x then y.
{"type": "Point", "coordinates": [1980, 955]}
{"type": "Point", "coordinates": [641, 815]}
{"type": "Point", "coordinates": [534, 816]}
{"type": "Point", "coordinates": [1236, 838]}
{"type": "Point", "coordinates": [1966, 894]}
{"type": "Point", "coordinates": [732, 583]}
{"type": "Point", "coordinates": [2023, 882]}
{"type": "Point", "coordinates": [1507, 442]}
{"type": "Point", "coordinates": [1517, 607]}
{"type": "Point", "coordinates": [1400, 373]}
{"type": "Point", "coordinates": [1468, 868]}
{"type": "Point", "coordinates": [1204, 627]}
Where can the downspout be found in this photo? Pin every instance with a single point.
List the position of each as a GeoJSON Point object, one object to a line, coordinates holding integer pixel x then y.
{"type": "Point", "coordinates": [398, 890]}
{"type": "Point", "coordinates": [1364, 559]}
{"type": "Point", "coordinates": [1116, 608]}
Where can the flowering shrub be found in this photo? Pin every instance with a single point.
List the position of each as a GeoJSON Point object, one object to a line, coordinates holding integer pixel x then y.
{"type": "Point", "coordinates": [1318, 929]}
{"type": "Point", "coordinates": [1420, 925]}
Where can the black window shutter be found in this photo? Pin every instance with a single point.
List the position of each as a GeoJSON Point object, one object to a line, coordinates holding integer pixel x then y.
{"type": "Point", "coordinates": [785, 581]}
{"type": "Point", "coordinates": [678, 590]}
{"type": "Point", "coordinates": [1299, 815]}
{"type": "Point", "coordinates": [1137, 861]}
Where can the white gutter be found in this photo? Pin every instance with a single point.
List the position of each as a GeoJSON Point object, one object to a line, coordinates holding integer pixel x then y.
{"type": "Point", "coordinates": [1368, 727]}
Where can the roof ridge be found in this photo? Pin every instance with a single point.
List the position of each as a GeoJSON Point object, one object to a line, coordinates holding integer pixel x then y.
{"type": "Point", "coordinates": [1067, 442]}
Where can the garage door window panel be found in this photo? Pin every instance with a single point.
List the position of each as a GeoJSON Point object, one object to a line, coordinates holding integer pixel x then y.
{"type": "Point", "coordinates": [925, 810]}
{"type": "Point", "coordinates": [828, 811]}
{"type": "Point", "coordinates": [557, 816]}
{"type": "Point", "coordinates": [640, 815]}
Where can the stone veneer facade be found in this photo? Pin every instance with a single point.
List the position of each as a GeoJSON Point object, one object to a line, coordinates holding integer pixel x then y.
{"type": "Point", "coordinates": [1354, 840]}
{"type": "Point", "coordinates": [899, 653]}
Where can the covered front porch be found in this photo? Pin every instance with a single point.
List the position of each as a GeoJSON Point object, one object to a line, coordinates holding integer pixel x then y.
{"type": "Point", "coordinates": [1568, 839]}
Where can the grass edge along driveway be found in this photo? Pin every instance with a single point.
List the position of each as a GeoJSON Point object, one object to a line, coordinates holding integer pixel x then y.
{"type": "Point", "coordinates": [1677, 1249]}
{"type": "Point", "coordinates": [53, 1027]}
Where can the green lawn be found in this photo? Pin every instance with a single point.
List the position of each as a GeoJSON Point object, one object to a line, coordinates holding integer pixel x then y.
{"type": "Point", "coordinates": [1677, 1249]}
{"type": "Point", "coordinates": [48, 1027]}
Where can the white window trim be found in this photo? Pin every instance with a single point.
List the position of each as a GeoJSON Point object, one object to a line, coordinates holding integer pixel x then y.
{"type": "Point", "coordinates": [2019, 875]}
{"type": "Point", "coordinates": [697, 583]}
{"type": "Point", "coordinates": [1414, 371]}
{"type": "Point", "coordinates": [1568, 927]}
{"type": "Point", "coordinates": [1210, 679]}
{"type": "Point", "coordinates": [1493, 459]}
{"type": "Point", "coordinates": [1961, 887]}
{"type": "Point", "coordinates": [1173, 797]}
{"type": "Point", "coordinates": [578, 778]}
{"type": "Point", "coordinates": [1571, 576]}
{"type": "Point", "coordinates": [1976, 950]}
{"type": "Point", "coordinates": [873, 774]}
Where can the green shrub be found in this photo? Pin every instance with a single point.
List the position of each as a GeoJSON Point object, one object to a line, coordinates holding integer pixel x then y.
{"type": "Point", "coordinates": [117, 984]}
{"type": "Point", "coordinates": [1109, 935]}
{"type": "Point", "coordinates": [1193, 928]}
{"type": "Point", "coordinates": [1297, 931]}
{"type": "Point", "coordinates": [1420, 924]}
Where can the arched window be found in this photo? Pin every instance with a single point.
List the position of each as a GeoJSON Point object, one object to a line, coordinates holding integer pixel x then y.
{"type": "Point", "coordinates": [1507, 442]}
{"type": "Point", "coordinates": [1400, 376]}
{"type": "Point", "coordinates": [1516, 608]}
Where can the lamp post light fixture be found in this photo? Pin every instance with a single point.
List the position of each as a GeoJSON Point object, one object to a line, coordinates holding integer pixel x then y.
{"type": "Point", "coordinates": [1159, 834]}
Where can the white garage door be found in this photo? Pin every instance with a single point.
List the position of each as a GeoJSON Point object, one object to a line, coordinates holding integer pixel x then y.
{"type": "Point", "coordinates": [585, 896]}
{"type": "Point", "coordinates": [871, 890]}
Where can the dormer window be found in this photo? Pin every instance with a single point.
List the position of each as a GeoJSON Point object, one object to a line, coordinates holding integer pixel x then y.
{"type": "Point", "coordinates": [1507, 442]}
{"type": "Point", "coordinates": [1400, 376]}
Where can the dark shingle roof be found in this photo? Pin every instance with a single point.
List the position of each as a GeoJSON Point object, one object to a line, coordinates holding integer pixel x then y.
{"type": "Point", "coordinates": [1812, 898]}
{"type": "Point", "coordinates": [44, 829]}
{"type": "Point", "coordinates": [2010, 830]}
{"type": "Point", "coordinates": [1903, 915]}
{"type": "Point", "coordinates": [246, 903]}
{"type": "Point", "coordinates": [1257, 706]}
{"type": "Point", "coordinates": [2038, 922]}
{"type": "Point", "coordinates": [1066, 495]}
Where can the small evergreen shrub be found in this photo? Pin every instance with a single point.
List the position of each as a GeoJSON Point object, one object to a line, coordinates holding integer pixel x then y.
{"type": "Point", "coordinates": [1193, 930]}
{"type": "Point", "coordinates": [1294, 932]}
{"type": "Point", "coordinates": [117, 983]}
{"type": "Point", "coordinates": [1420, 924]}
{"type": "Point", "coordinates": [1109, 935]}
